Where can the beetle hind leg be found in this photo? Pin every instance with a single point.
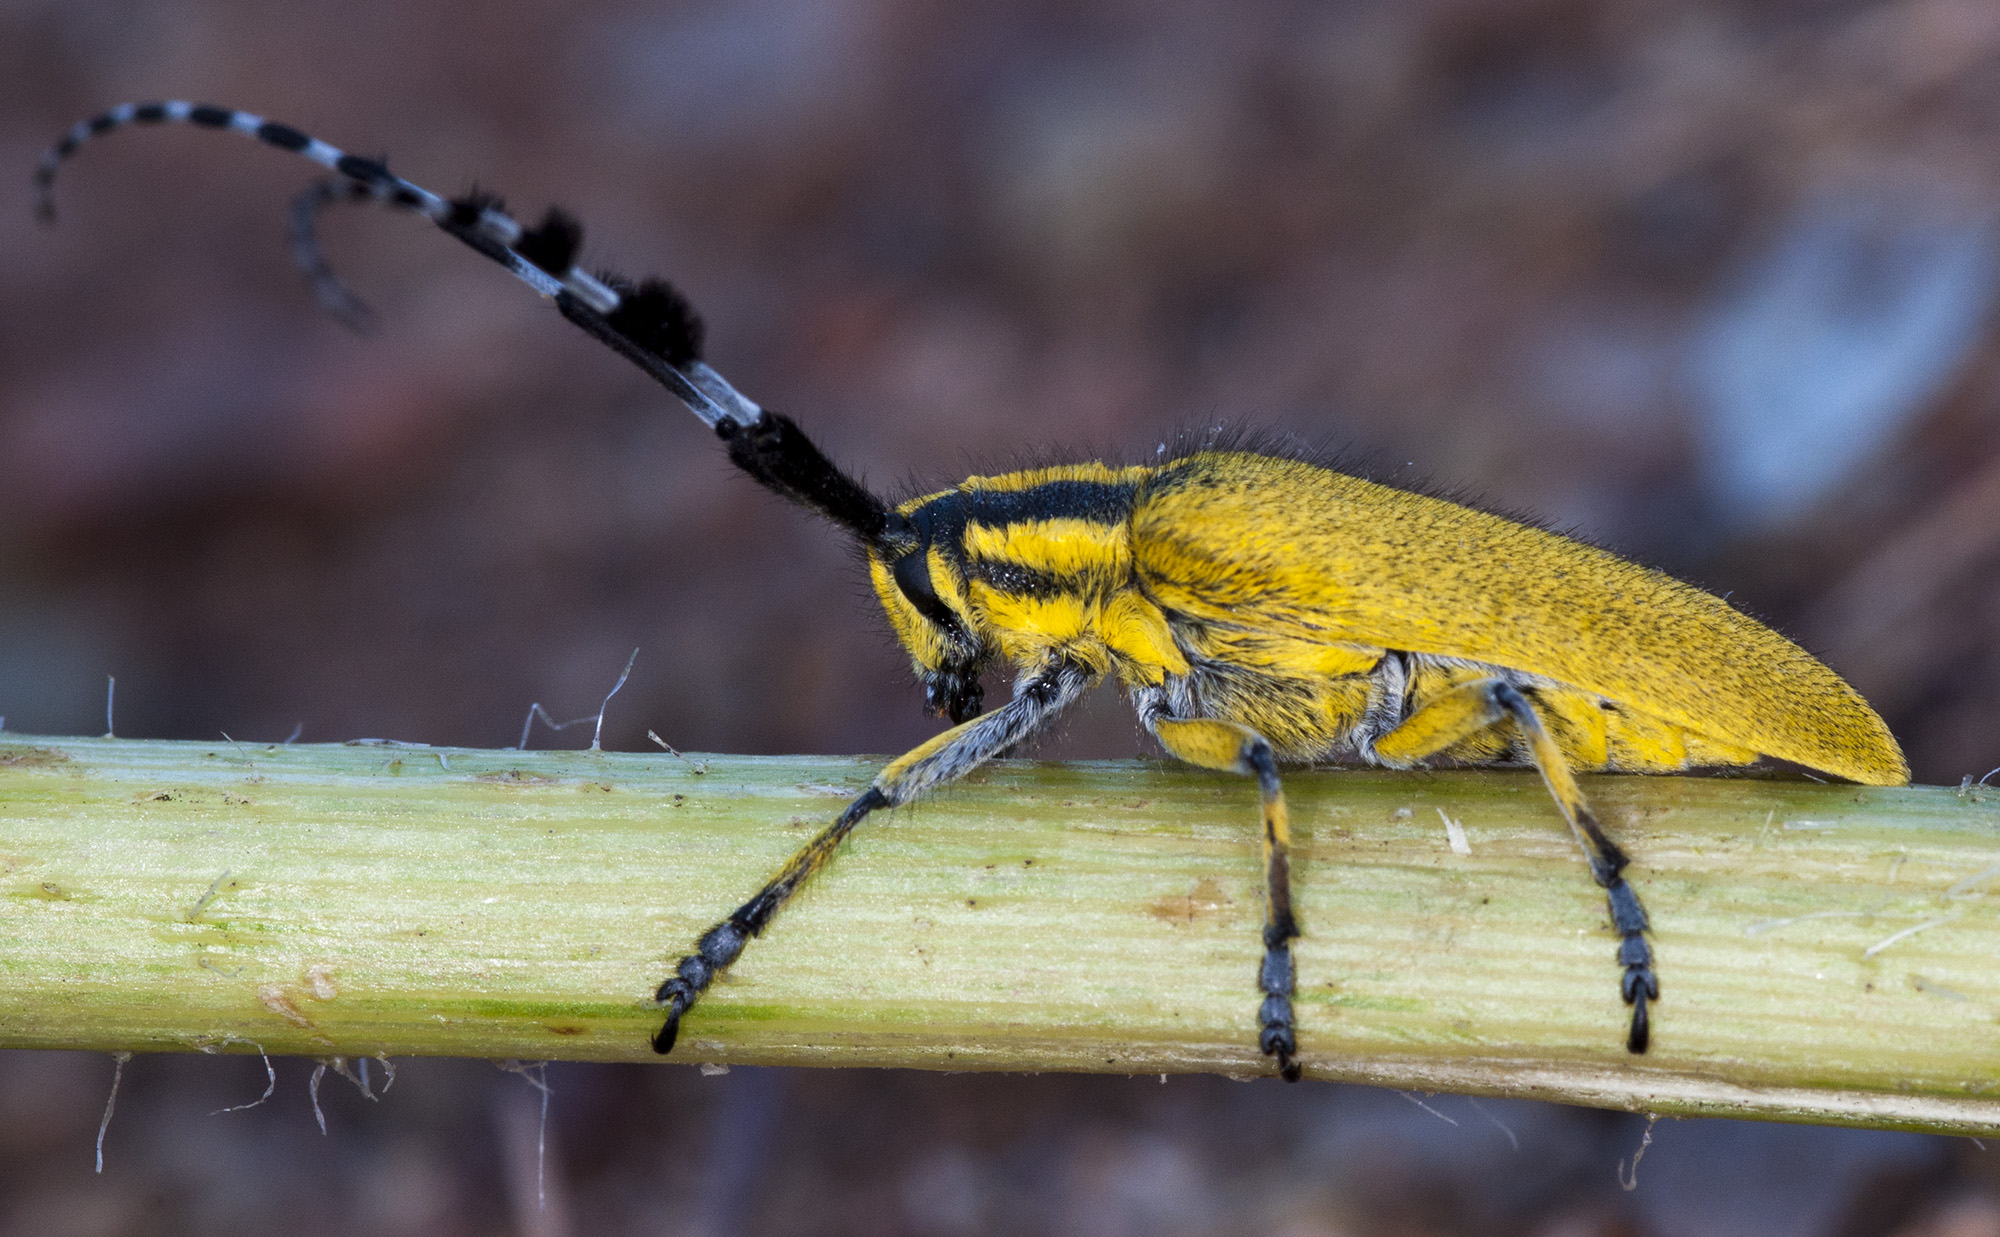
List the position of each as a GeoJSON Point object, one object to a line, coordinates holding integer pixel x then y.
{"type": "Point", "coordinates": [1276, 1035]}
{"type": "Point", "coordinates": [1472, 707]}
{"type": "Point", "coordinates": [1238, 749]}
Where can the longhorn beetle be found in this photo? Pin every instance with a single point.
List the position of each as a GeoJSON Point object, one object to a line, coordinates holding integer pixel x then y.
{"type": "Point", "coordinates": [1258, 610]}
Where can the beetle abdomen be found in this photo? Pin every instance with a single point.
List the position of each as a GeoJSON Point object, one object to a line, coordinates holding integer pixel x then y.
{"type": "Point", "coordinates": [1299, 551]}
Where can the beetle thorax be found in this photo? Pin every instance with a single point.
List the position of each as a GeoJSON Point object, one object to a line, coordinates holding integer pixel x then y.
{"type": "Point", "coordinates": [1026, 567]}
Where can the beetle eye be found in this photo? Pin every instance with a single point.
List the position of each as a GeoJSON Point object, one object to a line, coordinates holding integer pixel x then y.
{"type": "Point", "coordinates": [913, 577]}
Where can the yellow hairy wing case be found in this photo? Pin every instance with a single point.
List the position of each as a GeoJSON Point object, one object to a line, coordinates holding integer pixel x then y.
{"type": "Point", "coordinates": [1248, 539]}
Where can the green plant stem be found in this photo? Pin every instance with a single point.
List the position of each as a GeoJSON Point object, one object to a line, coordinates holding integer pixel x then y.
{"type": "Point", "coordinates": [1827, 953]}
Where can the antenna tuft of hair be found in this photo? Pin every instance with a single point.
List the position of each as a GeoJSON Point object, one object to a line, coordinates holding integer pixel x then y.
{"type": "Point", "coordinates": [553, 244]}
{"type": "Point", "coordinates": [659, 319]}
{"type": "Point", "coordinates": [464, 212]}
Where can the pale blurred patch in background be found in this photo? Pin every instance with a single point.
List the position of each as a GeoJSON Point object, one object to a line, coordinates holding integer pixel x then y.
{"type": "Point", "coordinates": [1713, 284]}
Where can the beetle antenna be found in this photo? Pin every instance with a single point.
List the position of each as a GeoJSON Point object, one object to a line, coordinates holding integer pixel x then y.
{"type": "Point", "coordinates": [648, 323]}
{"type": "Point", "coordinates": [335, 297]}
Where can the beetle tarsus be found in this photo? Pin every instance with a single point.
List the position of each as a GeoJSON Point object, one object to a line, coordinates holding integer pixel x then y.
{"type": "Point", "coordinates": [717, 948]}
{"type": "Point", "coordinates": [1639, 985]}
{"type": "Point", "coordinates": [677, 1004]}
{"type": "Point", "coordinates": [1277, 1038]}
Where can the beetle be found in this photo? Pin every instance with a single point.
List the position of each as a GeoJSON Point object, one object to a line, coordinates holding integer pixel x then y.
{"type": "Point", "coordinates": [1258, 610]}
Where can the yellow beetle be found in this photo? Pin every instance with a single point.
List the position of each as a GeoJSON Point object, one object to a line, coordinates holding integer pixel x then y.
{"type": "Point", "coordinates": [1256, 609]}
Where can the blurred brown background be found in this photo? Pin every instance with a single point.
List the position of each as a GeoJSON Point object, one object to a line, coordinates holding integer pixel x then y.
{"type": "Point", "coordinates": [1710, 283]}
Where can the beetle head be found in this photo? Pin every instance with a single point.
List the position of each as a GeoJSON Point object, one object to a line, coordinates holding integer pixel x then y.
{"type": "Point", "coordinates": [917, 575]}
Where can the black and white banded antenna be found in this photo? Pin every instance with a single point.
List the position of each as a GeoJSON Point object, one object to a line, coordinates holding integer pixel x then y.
{"type": "Point", "coordinates": [335, 297]}
{"type": "Point", "coordinates": [649, 323]}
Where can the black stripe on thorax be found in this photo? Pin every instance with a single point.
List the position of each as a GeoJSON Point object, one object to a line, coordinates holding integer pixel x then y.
{"type": "Point", "coordinates": [1103, 502]}
{"type": "Point", "coordinates": [941, 522]}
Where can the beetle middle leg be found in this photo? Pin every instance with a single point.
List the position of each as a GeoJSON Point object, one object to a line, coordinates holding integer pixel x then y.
{"type": "Point", "coordinates": [1472, 707]}
{"type": "Point", "coordinates": [1239, 749]}
{"type": "Point", "coordinates": [1038, 698]}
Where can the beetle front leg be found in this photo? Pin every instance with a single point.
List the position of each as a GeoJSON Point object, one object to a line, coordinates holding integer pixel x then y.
{"type": "Point", "coordinates": [1038, 698]}
{"type": "Point", "coordinates": [1466, 710]}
